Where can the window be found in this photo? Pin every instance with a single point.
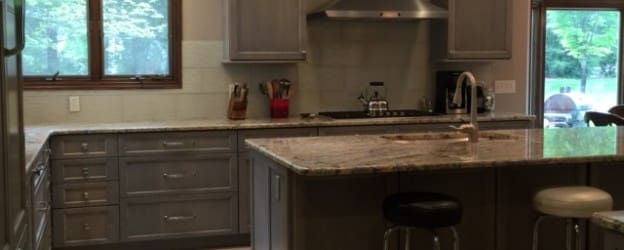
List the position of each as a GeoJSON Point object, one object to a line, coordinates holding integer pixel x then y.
{"type": "Point", "coordinates": [73, 44]}
{"type": "Point", "coordinates": [576, 59]}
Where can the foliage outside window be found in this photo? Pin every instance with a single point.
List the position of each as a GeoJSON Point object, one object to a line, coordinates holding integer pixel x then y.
{"type": "Point", "coordinates": [102, 44]}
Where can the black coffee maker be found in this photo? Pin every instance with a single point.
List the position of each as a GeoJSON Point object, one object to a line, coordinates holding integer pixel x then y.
{"type": "Point", "coordinates": [446, 83]}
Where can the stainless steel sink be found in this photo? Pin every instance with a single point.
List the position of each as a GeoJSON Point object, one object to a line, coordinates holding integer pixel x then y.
{"type": "Point", "coordinates": [447, 136]}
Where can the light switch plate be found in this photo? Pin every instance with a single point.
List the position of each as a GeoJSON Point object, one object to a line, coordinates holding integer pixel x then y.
{"type": "Point", "coordinates": [74, 104]}
{"type": "Point", "coordinates": [505, 86]}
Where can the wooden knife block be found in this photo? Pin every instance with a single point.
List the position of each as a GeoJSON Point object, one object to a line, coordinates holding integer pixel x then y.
{"type": "Point", "coordinates": [237, 109]}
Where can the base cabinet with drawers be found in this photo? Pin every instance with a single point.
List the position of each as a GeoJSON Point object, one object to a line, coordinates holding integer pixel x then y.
{"type": "Point", "coordinates": [134, 188]}
{"type": "Point", "coordinates": [85, 190]}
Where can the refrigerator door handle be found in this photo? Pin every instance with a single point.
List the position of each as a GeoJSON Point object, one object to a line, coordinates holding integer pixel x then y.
{"type": "Point", "coordinates": [19, 23]}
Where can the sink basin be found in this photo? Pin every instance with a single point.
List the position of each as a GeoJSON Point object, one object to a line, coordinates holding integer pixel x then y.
{"type": "Point", "coordinates": [452, 136]}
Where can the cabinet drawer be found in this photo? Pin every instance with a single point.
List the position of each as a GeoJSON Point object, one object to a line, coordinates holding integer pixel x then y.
{"type": "Point", "coordinates": [82, 146]}
{"type": "Point", "coordinates": [158, 143]}
{"type": "Point", "coordinates": [272, 133]}
{"type": "Point", "coordinates": [180, 174]}
{"type": "Point", "coordinates": [89, 169]}
{"type": "Point", "coordinates": [86, 194]}
{"type": "Point", "coordinates": [178, 216]}
{"type": "Point", "coordinates": [86, 226]}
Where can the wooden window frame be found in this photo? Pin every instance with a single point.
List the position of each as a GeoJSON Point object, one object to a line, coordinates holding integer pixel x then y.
{"type": "Point", "coordinates": [96, 78]}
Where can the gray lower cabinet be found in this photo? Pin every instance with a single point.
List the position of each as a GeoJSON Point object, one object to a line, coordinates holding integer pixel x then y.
{"type": "Point", "coordinates": [356, 130]}
{"type": "Point", "coordinates": [179, 216]}
{"type": "Point", "coordinates": [41, 207]}
{"type": "Point", "coordinates": [265, 30]}
{"type": "Point", "coordinates": [244, 170]}
{"type": "Point", "coordinates": [86, 226]}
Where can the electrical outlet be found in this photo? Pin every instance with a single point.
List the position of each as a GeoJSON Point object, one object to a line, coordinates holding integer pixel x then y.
{"type": "Point", "coordinates": [505, 86]}
{"type": "Point", "coordinates": [74, 104]}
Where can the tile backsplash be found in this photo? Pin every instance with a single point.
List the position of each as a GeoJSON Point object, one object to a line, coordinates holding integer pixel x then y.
{"type": "Point", "coordinates": [343, 58]}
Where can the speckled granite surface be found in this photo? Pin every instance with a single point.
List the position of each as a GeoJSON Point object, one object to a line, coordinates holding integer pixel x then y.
{"type": "Point", "coordinates": [610, 220]}
{"type": "Point", "coordinates": [365, 154]}
{"type": "Point", "coordinates": [36, 136]}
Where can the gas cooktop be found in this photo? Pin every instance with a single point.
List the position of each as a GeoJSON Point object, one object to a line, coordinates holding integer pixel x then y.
{"type": "Point", "coordinates": [364, 114]}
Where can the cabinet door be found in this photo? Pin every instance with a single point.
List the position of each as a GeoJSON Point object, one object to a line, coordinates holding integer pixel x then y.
{"type": "Point", "coordinates": [477, 29]}
{"type": "Point", "coordinates": [265, 30]}
{"type": "Point", "coordinates": [244, 192]}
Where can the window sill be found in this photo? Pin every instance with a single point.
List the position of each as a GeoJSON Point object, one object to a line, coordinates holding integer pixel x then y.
{"type": "Point", "coordinates": [105, 85]}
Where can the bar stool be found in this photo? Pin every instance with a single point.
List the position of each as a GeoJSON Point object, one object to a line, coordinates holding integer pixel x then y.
{"type": "Point", "coordinates": [421, 210]}
{"type": "Point", "coordinates": [573, 203]}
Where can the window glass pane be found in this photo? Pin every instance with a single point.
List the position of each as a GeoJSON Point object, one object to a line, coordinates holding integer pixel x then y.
{"type": "Point", "coordinates": [582, 64]}
{"type": "Point", "coordinates": [56, 38]}
{"type": "Point", "coordinates": [136, 37]}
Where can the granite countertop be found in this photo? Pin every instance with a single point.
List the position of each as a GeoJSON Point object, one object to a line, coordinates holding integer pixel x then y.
{"type": "Point", "coordinates": [36, 136]}
{"type": "Point", "coordinates": [365, 154]}
{"type": "Point", "coordinates": [613, 220]}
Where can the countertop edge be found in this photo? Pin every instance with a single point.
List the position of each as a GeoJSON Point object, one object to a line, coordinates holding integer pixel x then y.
{"type": "Point", "coordinates": [607, 220]}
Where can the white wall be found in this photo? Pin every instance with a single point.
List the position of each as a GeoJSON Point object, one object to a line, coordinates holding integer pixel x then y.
{"type": "Point", "coordinates": [344, 57]}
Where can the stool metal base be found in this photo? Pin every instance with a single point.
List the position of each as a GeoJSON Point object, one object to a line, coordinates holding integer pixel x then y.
{"type": "Point", "coordinates": [572, 226]}
{"type": "Point", "coordinates": [408, 232]}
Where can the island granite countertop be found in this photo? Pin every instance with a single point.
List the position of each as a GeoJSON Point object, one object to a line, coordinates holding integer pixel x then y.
{"type": "Point", "coordinates": [613, 220]}
{"type": "Point", "coordinates": [366, 154]}
{"type": "Point", "coordinates": [36, 136]}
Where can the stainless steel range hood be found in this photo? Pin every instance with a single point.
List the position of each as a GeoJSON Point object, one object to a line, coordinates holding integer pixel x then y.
{"type": "Point", "coordinates": [380, 9]}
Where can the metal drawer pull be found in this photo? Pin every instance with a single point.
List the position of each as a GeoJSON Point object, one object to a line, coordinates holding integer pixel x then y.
{"type": "Point", "coordinates": [84, 147]}
{"type": "Point", "coordinates": [167, 144]}
{"type": "Point", "coordinates": [174, 176]}
{"type": "Point", "coordinates": [85, 172]}
{"type": "Point", "coordinates": [179, 218]}
{"type": "Point", "coordinates": [86, 227]}
{"type": "Point", "coordinates": [85, 195]}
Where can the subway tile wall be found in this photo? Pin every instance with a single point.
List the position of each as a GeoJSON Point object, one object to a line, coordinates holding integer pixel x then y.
{"type": "Point", "coordinates": [343, 58]}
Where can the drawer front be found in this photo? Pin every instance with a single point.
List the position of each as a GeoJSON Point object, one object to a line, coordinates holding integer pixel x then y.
{"type": "Point", "coordinates": [141, 176]}
{"type": "Point", "coordinates": [356, 130]}
{"type": "Point", "coordinates": [89, 169]}
{"type": "Point", "coordinates": [83, 146]}
{"type": "Point", "coordinates": [158, 143]}
{"type": "Point", "coordinates": [272, 133]}
{"type": "Point", "coordinates": [178, 216]}
{"type": "Point", "coordinates": [41, 206]}
{"type": "Point", "coordinates": [86, 194]}
{"type": "Point", "coordinates": [86, 226]}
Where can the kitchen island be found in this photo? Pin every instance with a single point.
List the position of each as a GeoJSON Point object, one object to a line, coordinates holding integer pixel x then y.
{"type": "Point", "coordinates": [613, 223]}
{"type": "Point", "coordinates": [326, 192]}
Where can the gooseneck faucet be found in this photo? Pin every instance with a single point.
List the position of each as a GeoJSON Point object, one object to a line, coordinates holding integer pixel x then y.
{"type": "Point", "coordinates": [472, 129]}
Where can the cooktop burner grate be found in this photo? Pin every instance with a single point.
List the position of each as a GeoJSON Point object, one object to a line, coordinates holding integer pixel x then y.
{"type": "Point", "coordinates": [363, 114]}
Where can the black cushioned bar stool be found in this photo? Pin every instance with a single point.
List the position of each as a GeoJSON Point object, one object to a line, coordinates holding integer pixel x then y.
{"type": "Point", "coordinates": [428, 211]}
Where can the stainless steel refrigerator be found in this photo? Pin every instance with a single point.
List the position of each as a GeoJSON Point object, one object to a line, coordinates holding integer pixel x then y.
{"type": "Point", "coordinates": [14, 218]}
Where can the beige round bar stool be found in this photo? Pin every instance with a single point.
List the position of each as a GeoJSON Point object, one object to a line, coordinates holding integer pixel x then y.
{"type": "Point", "coordinates": [572, 204]}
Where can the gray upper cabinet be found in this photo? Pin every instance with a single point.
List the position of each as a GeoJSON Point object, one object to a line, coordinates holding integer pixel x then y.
{"type": "Point", "coordinates": [475, 30]}
{"type": "Point", "coordinates": [265, 31]}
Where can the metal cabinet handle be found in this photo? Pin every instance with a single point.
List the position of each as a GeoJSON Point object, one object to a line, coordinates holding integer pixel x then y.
{"type": "Point", "coordinates": [84, 147]}
{"type": "Point", "coordinates": [39, 170]}
{"type": "Point", "coordinates": [278, 187]}
{"type": "Point", "coordinates": [174, 176]}
{"type": "Point", "coordinates": [179, 218]}
{"type": "Point", "coordinates": [304, 52]}
{"type": "Point", "coordinates": [86, 227]}
{"type": "Point", "coordinates": [45, 207]}
{"type": "Point", "coordinates": [85, 196]}
{"type": "Point", "coordinates": [85, 172]}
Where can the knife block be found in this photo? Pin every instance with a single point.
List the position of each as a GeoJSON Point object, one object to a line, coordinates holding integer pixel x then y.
{"type": "Point", "coordinates": [237, 109]}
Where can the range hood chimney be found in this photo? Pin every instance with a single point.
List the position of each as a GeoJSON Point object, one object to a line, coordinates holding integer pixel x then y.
{"type": "Point", "coordinates": [380, 9]}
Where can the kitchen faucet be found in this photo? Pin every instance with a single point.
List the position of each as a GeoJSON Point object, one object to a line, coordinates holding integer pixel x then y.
{"type": "Point", "coordinates": [472, 129]}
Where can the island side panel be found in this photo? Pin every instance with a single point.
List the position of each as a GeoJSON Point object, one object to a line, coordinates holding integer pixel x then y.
{"type": "Point", "coordinates": [340, 213]}
{"type": "Point", "coordinates": [475, 188]}
{"type": "Point", "coordinates": [260, 204]}
{"type": "Point", "coordinates": [609, 177]}
{"type": "Point", "coordinates": [516, 187]}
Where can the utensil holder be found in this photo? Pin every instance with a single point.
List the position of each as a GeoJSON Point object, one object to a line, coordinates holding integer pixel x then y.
{"type": "Point", "coordinates": [279, 108]}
